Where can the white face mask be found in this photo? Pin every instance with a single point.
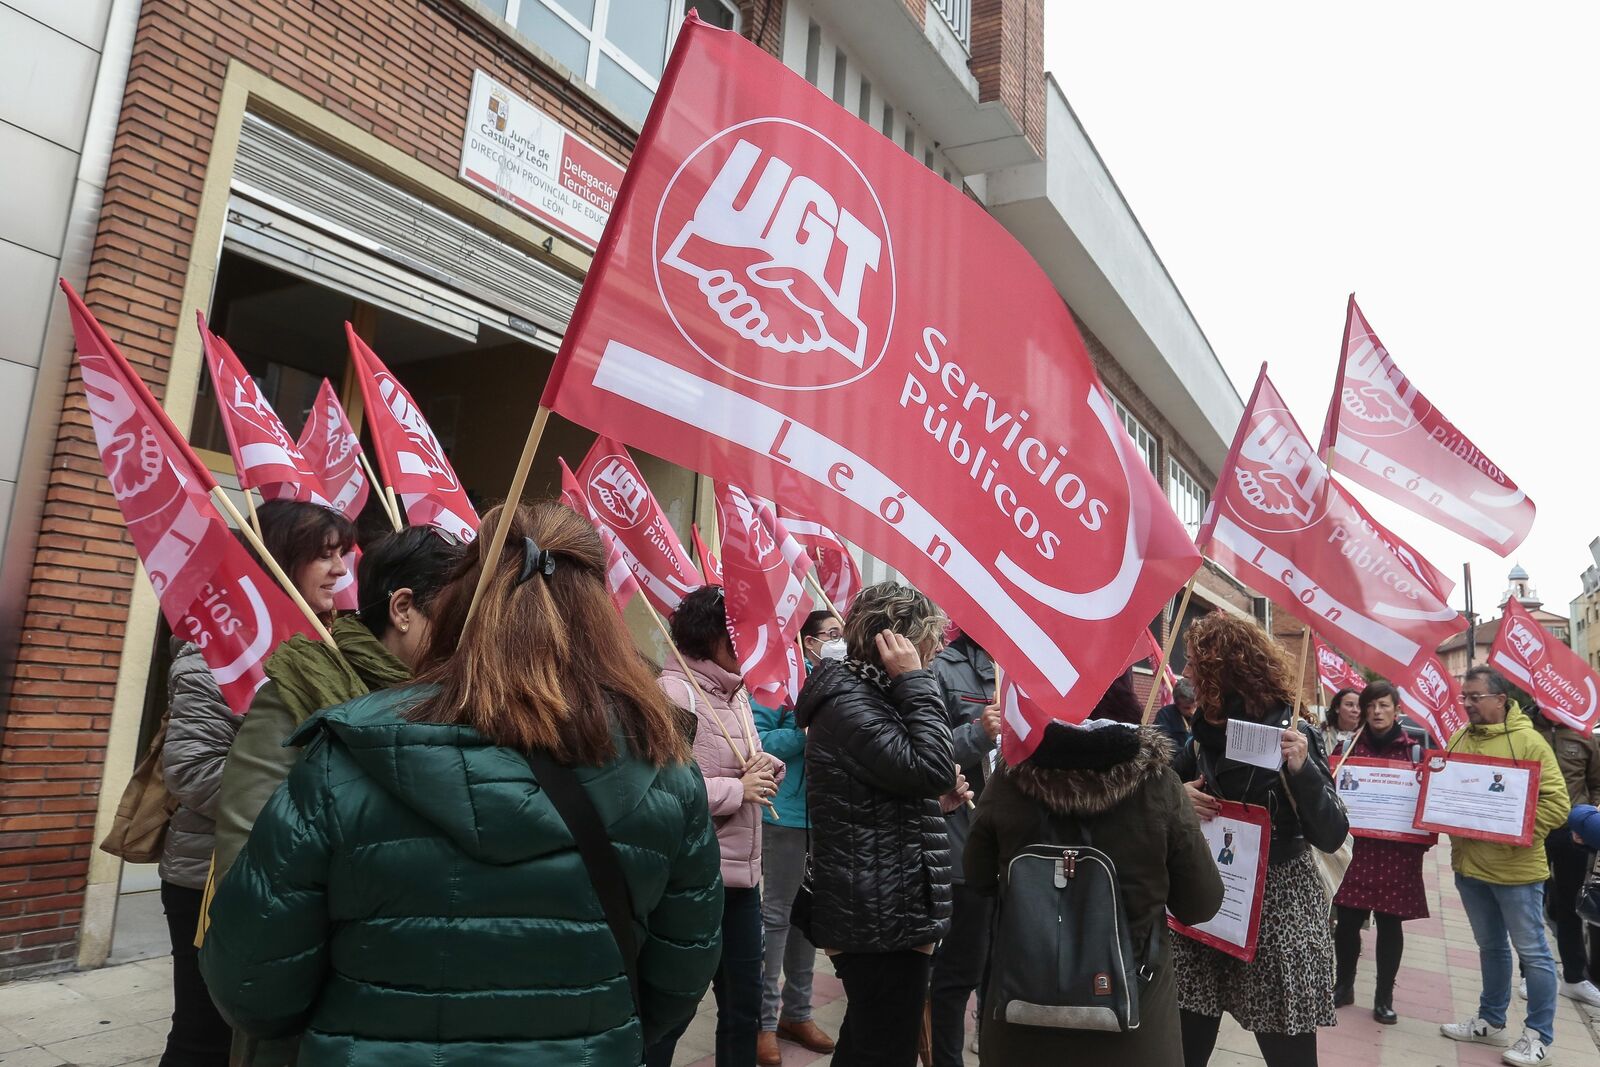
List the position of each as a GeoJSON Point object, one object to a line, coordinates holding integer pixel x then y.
{"type": "Point", "coordinates": [834, 649]}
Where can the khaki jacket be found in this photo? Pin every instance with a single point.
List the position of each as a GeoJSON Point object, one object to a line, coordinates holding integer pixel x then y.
{"type": "Point", "coordinates": [1490, 861]}
{"type": "Point", "coordinates": [1579, 756]}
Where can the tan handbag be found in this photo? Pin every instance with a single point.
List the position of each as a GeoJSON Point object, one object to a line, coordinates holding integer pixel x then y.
{"type": "Point", "coordinates": [140, 827]}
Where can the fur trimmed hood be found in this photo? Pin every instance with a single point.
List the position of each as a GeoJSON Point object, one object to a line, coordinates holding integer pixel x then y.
{"type": "Point", "coordinates": [1079, 771]}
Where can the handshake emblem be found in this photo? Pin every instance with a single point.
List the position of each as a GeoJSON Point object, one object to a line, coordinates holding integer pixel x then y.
{"type": "Point", "coordinates": [780, 262]}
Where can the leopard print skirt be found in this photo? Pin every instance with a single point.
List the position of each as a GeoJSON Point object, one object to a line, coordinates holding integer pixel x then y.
{"type": "Point", "coordinates": [1288, 987]}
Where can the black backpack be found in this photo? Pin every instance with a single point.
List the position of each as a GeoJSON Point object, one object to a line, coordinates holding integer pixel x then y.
{"type": "Point", "coordinates": [1063, 954]}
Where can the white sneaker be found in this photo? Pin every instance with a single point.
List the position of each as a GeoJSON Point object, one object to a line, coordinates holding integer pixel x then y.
{"type": "Point", "coordinates": [1522, 989]}
{"type": "Point", "coordinates": [1528, 1050]}
{"type": "Point", "coordinates": [1584, 992]}
{"type": "Point", "coordinates": [1478, 1031]}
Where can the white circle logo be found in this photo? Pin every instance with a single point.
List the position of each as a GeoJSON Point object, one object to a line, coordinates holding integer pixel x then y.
{"type": "Point", "coordinates": [773, 258]}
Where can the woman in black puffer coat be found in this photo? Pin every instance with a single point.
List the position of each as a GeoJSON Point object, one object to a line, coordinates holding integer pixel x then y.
{"type": "Point", "coordinates": [881, 772]}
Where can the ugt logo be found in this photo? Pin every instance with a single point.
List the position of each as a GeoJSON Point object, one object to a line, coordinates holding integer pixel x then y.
{"type": "Point", "coordinates": [1375, 392]}
{"type": "Point", "coordinates": [1280, 475]}
{"type": "Point", "coordinates": [617, 490]}
{"type": "Point", "coordinates": [773, 257]}
{"type": "Point", "coordinates": [1432, 687]}
{"type": "Point", "coordinates": [1524, 641]}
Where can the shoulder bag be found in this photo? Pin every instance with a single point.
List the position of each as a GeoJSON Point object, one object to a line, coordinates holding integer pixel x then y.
{"type": "Point", "coordinates": [600, 859]}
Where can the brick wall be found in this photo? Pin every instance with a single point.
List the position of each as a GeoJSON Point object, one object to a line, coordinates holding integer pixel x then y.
{"type": "Point", "coordinates": [762, 22]}
{"type": "Point", "coordinates": [1008, 60]}
{"type": "Point", "coordinates": [400, 69]}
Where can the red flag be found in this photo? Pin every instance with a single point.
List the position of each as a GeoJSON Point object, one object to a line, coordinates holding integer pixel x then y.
{"type": "Point", "coordinates": [410, 457]}
{"type": "Point", "coordinates": [619, 565]}
{"type": "Point", "coordinates": [708, 563]}
{"type": "Point", "coordinates": [1555, 676]}
{"type": "Point", "coordinates": [211, 590]}
{"type": "Point", "coordinates": [1429, 694]}
{"type": "Point", "coordinates": [1333, 671]}
{"type": "Point", "coordinates": [763, 567]}
{"type": "Point", "coordinates": [785, 300]}
{"type": "Point", "coordinates": [837, 572]}
{"type": "Point", "coordinates": [1281, 525]}
{"type": "Point", "coordinates": [1145, 648]}
{"type": "Point", "coordinates": [1389, 438]}
{"type": "Point", "coordinates": [264, 455]}
{"type": "Point", "coordinates": [618, 497]}
{"type": "Point", "coordinates": [333, 450]}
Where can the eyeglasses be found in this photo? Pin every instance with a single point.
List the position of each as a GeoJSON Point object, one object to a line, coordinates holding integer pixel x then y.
{"type": "Point", "coordinates": [1473, 698]}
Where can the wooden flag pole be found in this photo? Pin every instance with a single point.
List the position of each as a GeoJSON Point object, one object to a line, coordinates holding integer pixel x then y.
{"type": "Point", "coordinates": [1166, 651]}
{"type": "Point", "coordinates": [1347, 750]}
{"type": "Point", "coordinates": [250, 506]}
{"type": "Point", "coordinates": [823, 593]}
{"type": "Point", "coordinates": [385, 494]}
{"type": "Point", "coordinates": [497, 542]}
{"type": "Point", "coordinates": [1300, 669]}
{"type": "Point", "coordinates": [221, 497]}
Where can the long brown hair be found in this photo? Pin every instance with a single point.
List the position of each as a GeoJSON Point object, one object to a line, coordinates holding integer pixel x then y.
{"type": "Point", "coordinates": [547, 662]}
{"type": "Point", "coordinates": [1235, 658]}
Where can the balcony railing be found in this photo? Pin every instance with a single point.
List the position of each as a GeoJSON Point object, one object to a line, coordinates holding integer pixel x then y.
{"type": "Point", "coordinates": [958, 14]}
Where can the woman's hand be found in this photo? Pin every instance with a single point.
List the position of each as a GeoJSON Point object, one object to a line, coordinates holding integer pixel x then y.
{"type": "Point", "coordinates": [1293, 744]}
{"type": "Point", "coordinates": [759, 783]}
{"type": "Point", "coordinates": [961, 794]}
{"type": "Point", "coordinates": [899, 655]}
{"type": "Point", "coordinates": [1205, 805]}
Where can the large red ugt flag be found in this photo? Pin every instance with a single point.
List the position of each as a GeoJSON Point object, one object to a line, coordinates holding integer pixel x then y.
{"type": "Point", "coordinates": [1281, 525]}
{"type": "Point", "coordinates": [1389, 438]}
{"type": "Point", "coordinates": [788, 301]}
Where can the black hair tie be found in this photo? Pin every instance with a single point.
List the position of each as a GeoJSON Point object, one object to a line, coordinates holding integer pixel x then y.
{"type": "Point", "coordinates": [535, 560]}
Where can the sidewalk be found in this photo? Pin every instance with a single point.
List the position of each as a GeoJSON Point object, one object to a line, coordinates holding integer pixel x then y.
{"type": "Point", "coordinates": [117, 1016]}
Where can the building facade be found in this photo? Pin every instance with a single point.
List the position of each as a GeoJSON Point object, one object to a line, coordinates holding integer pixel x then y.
{"type": "Point", "coordinates": [286, 166]}
{"type": "Point", "coordinates": [1584, 612]}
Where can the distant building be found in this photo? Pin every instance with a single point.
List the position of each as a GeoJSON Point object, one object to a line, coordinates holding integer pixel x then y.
{"type": "Point", "coordinates": [1585, 611]}
{"type": "Point", "coordinates": [1457, 657]}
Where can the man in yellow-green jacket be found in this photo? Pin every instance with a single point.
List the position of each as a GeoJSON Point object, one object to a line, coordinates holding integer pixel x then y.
{"type": "Point", "coordinates": [1502, 886]}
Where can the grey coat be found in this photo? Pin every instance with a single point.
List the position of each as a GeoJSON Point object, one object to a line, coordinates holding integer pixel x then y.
{"type": "Point", "coordinates": [200, 730]}
{"type": "Point", "coordinates": [966, 679]}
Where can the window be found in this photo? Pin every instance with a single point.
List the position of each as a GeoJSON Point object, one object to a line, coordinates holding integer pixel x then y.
{"type": "Point", "coordinates": [1143, 439]}
{"type": "Point", "coordinates": [1188, 499]}
{"type": "Point", "coordinates": [618, 46]}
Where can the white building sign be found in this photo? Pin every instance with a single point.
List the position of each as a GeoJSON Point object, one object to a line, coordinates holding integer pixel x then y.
{"type": "Point", "coordinates": [518, 154]}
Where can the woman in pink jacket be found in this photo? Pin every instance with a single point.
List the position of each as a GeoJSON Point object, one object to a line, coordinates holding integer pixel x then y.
{"type": "Point", "coordinates": [740, 780]}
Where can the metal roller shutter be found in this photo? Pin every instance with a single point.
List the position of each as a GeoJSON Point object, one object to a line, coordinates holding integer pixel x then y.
{"type": "Point", "coordinates": [304, 210]}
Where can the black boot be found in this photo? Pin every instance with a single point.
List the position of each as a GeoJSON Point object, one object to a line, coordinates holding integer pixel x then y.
{"type": "Point", "coordinates": [1383, 1007]}
{"type": "Point", "coordinates": [1343, 995]}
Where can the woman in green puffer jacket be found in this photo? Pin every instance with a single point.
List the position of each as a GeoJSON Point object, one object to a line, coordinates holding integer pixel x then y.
{"type": "Point", "coordinates": [399, 578]}
{"type": "Point", "coordinates": [410, 896]}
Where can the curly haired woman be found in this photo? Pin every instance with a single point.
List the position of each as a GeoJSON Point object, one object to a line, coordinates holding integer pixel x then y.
{"type": "Point", "coordinates": [1286, 992]}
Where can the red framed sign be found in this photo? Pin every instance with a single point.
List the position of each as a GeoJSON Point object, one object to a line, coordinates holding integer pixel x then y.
{"type": "Point", "coordinates": [1238, 838]}
{"type": "Point", "coordinates": [1380, 796]}
{"type": "Point", "coordinates": [1481, 797]}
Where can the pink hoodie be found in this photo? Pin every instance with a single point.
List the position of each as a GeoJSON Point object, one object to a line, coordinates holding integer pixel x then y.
{"type": "Point", "coordinates": [737, 821]}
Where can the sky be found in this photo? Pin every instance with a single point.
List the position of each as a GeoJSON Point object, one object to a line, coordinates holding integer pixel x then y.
{"type": "Point", "coordinates": [1440, 161]}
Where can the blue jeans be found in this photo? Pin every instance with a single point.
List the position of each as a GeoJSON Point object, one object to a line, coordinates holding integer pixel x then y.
{"type": "Point", "coordinates": [1499, 912]}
